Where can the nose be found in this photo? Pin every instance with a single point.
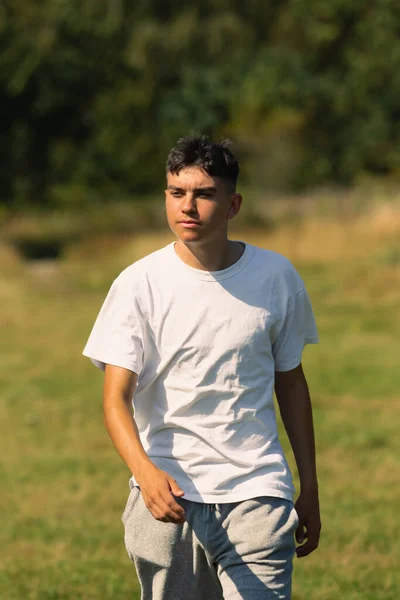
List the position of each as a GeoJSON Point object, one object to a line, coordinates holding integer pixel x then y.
{"type": "Point", "coordinates": [189, 204]}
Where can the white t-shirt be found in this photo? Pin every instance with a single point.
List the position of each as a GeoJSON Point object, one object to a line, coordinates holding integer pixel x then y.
{"type": "Point", "coordinates": [205, 346]}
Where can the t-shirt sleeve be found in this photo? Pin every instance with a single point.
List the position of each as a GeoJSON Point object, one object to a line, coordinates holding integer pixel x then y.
{"type": "Point", "coordinates": [296, 329]}
{"type": "Point", "coordinates": [116, 336]}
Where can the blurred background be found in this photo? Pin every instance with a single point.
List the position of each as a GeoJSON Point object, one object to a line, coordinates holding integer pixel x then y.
{"type": "Point", "coordinates": [92, 97]}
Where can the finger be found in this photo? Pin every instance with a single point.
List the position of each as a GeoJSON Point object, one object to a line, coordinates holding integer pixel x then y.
{"type": "Point", "coordinates": [306, 548]}
{"type": "Point", "coordinates": [153, 508]}
{"type": "Point", "coordinates": [163, 507]}
{"type": "Point", "coordinates": [171, 509]}
{"type": "Point", "coordinates": [156, 512]}
{"type": "Point", "coordinates": [175, 489]}
{"type": "Point", "coordinates": [300, 533]}
{"type": "Point", "coordinates": [168, 496]}
{"type": "Point", "coordinates": [310, 545]}
{"type": "Point", "coordinates": [158, 516]}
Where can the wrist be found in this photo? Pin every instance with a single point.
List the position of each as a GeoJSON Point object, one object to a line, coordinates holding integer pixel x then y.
{"type": "Point", "coordinates": [141, 466]}
{"type": "Point", "coordinates": [309, 484]}
{"type": "Point", "coordinates": [309, 488]}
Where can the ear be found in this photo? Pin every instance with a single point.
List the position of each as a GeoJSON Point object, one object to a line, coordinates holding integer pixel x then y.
{"type": "Point", "coordinates": [235, 204]}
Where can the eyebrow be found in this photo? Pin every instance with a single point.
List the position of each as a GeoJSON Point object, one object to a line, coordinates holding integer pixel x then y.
{"type": "Point", "coordinates": [200, 189]}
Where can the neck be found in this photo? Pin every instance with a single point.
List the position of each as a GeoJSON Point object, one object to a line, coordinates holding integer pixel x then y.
{"type": "Point", "coordinates": [214, 255]}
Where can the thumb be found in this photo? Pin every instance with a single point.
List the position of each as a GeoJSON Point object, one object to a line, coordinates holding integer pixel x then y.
{"type": "Point", "coordinates": [175, 489]}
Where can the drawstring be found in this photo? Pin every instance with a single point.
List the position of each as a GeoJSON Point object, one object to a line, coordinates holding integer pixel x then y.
{"type": "Point", "coordinates": [211, 508]}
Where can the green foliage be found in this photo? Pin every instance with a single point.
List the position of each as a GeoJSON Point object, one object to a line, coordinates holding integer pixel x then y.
{"type": "Point", "coordinates": [93, 94]}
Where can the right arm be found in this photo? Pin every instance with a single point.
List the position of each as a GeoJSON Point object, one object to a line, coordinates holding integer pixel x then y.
{"type": "Point", "coordinates": [157, 487]}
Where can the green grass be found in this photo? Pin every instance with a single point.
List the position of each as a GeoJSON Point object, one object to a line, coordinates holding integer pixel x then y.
{"type": "Point", "coordinates": [64, 486]}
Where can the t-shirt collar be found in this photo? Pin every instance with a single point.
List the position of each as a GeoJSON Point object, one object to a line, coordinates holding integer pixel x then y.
{"type": "Point", "coordinates": [213, 275]}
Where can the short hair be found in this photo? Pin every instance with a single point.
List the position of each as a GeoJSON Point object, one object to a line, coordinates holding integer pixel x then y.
{"type": "Point", "coordinates": [199, 151]}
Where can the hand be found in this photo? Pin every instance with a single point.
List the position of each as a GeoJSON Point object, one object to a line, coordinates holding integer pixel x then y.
{"type": "Point", "coordinates": [158, 488]}
{"type": "Point", "coordinates": [309, 527]}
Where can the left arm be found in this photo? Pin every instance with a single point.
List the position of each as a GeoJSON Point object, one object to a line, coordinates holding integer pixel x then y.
{"type": "Point", "coordinates": [295, 408]}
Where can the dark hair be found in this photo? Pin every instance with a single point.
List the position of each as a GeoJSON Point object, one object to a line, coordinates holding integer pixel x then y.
{"type": "Point", "coordinates": [198, 151]}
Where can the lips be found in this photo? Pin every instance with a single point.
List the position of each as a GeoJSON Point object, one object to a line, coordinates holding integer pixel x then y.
{"type": "Point", "coordinates": [189, 224]}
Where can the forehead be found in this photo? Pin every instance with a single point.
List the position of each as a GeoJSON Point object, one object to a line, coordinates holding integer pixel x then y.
{"type": "Point", "coordinates": [192, 178]}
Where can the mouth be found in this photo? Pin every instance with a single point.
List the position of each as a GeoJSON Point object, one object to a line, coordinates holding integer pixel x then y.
{"type": "Point", "coordinates": [189, 224]}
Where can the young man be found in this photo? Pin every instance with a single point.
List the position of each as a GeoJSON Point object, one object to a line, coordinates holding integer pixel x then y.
{"type": "Point", "coordinates": [195, 336]}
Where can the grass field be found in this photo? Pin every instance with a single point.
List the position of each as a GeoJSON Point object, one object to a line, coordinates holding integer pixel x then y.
{"type": "Point", "coordinates": [63, 484]}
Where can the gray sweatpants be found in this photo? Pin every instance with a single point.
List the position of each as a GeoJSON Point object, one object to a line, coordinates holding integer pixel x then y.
{"type": "Point", "coordinates": [228, 551]}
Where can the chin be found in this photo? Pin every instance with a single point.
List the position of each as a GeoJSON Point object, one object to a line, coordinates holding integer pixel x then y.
{"type": "Point", "coordinates": [189, 237]}
{"type": "Point", "coordinates": [187, 234]}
